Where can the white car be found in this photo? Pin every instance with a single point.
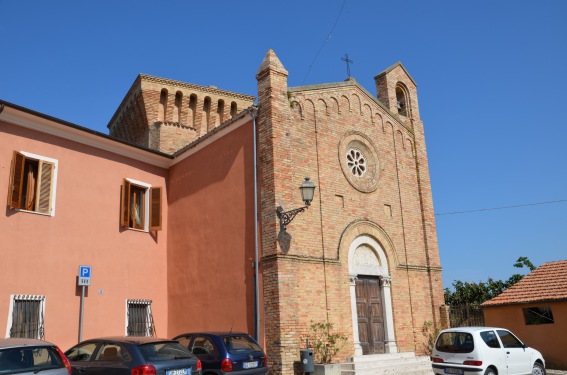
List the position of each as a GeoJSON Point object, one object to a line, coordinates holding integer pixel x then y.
{"type": "Point", "coordinates": [31, 356]}
{"type": "Point", "coordinates": [484, 350]}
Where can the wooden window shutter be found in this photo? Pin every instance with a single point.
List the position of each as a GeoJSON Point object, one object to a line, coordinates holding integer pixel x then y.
{"type": "Point", "coordinates": [155, 208]}
{"type": "Point", "coordinates": [125, 214]}
{"type": "Point", "coordinates": [16, 180]}
{"type": "Point", "coordinates": [45, 183]}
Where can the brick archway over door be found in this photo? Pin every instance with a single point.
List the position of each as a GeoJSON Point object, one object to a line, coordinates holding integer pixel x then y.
{"type": "Point", "coordinates": [368, 261]}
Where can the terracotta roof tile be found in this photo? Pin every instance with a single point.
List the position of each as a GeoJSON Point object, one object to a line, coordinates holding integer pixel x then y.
{"type": "Point", "coordinates": [548, 282]}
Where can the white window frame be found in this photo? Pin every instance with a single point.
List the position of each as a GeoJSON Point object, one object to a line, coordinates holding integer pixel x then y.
{"type": "Point", "coordinates": [55, 162]}
{"type": "Point", "coordinates": [150, 327]}
{"type": "Point", "coordinates": [27, 297]}
{"type": "Point", "coordinates": [146, 204]}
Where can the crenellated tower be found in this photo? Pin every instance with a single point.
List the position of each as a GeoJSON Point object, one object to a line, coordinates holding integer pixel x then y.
{"type": "Point", "coordinates": [166, 115]}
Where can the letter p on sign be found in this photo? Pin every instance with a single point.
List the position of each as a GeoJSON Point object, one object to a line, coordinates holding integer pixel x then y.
{"type": "Point", "coordinates": [84, 275]}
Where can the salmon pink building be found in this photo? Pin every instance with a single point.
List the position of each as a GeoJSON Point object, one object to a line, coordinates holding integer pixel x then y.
{"type": "Point", "coordinates": [175, 212]}
{"type": "Point", "coordinates": [535, 308]}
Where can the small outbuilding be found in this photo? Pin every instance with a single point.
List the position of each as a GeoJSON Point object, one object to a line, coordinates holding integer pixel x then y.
{"type": "Point", "coordinates": [535, 309]}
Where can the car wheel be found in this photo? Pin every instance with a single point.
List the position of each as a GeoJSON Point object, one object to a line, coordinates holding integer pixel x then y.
{"type": "Point", "coordinates": [490, 371]}
{"type": "Point", "coordinates": [538, 369]}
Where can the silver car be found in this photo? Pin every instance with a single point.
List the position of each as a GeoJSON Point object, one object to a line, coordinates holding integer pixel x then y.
{"type": "Point", "coordinates": [31, 356]}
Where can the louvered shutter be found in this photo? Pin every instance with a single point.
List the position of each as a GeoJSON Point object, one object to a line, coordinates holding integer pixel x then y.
{"type": "Point", "coordinates": [16, 180]}
{"type": "Point", "coordinates": [125, 214]}
{"type": "Point", "coordinates": [155, 208]}
{"type": "Point", "coordinates": [45, 183]}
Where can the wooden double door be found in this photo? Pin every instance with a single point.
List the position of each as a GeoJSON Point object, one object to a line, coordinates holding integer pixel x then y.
{"type": "Point", "coordinates": [370, 314]}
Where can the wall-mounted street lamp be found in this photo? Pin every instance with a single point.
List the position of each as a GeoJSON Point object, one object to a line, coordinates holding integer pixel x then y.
{"type": "Point", "coordinates": [307, 191]}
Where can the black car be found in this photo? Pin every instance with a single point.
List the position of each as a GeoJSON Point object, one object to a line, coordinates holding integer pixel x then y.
{"type": "Point", "coordinates": [223, 352]}
{"type": "Point", "coordinates": [132, 356]}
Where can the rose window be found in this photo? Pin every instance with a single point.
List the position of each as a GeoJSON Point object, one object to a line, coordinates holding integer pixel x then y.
{"type": "Point", "coordinates": [356, 162]}
{"type": "Point", "coordinates": [359, 161]}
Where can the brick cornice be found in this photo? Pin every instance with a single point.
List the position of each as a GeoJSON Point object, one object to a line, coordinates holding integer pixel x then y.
{"type": "Point", "coordinates": [211, 90]}
{"type": "Point", "coordinates": [336, 87]}
{"type": "Point", "coordinates": [415, 267]}
{"type": "Point", "coordinates": [137, 85]}
{"type": "Point", "coordinates": [298, 258]}
{"type": "Point", "coordinates": [174, 124]}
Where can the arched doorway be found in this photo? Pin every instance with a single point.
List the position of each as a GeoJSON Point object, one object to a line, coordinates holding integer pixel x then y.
{"type": "Point", "coordinates": [371, 301]}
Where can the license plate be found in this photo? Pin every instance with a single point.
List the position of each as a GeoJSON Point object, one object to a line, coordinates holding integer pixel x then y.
{"type": "Point", "coordinates": [179, 371]}
{"type": "Point", "coordinates": [454, 371]}
{"type": "Point", "coordinates": [250, 364]}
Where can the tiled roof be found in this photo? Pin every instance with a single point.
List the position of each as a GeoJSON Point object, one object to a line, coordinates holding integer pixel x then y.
{"type": "Point", "coordinates": [548, 282]}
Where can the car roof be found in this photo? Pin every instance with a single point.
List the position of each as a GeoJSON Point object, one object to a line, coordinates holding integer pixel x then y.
{"type": "Point", "coordinates": [469, 329]}
{"type": "Point", "coordinates": [129, 339]}
{"type": "Point", "coordinates": [18, 342]}
{"type": "Point", "coordinates": [214, 333]}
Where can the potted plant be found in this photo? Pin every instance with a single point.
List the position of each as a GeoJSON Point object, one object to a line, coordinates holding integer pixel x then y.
{"type": "Point", "coordinates": [326, 343]}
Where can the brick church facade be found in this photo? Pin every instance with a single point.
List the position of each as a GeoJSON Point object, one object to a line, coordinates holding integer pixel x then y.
{"type": "Point", "coordinates": [363, 256]}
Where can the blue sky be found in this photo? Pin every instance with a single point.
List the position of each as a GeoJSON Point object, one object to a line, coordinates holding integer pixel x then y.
{"type": "Point", "coordinates": [491, 79]}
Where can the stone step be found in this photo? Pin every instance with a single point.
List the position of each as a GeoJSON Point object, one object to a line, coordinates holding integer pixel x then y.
{"type": "Point", "coordinates": [390, 370]}
{"type": "Point", "coordinates": [392, 363]}
{"type": "Point", "coordinates": [420, 361]}
{"type": "Point", "coordinates": [381, 357]}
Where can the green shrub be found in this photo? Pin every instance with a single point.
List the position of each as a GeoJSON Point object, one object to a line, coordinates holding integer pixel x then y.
{"type": "Point", "coordinates": [326, 343]}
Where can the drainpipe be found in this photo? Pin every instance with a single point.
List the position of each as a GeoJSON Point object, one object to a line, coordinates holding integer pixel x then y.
{"type": "Point", "coordinates": [252, 112]}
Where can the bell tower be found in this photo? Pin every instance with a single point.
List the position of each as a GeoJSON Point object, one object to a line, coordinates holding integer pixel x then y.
{"type": "Point", "coordinates": [397, 90]}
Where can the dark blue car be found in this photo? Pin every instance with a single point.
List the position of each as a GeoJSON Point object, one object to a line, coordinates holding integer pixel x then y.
{"type": "Point", "coordinates": [132, 356]}
{"type": "Point", "coordinates": [225, 352]}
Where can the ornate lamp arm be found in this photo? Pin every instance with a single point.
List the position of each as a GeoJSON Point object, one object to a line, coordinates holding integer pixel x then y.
{"type": "Point", "coordinates": [286, 217]}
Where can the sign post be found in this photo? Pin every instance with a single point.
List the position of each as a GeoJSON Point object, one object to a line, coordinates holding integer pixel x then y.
{"type": "Point", "coordinates": [84, 279]}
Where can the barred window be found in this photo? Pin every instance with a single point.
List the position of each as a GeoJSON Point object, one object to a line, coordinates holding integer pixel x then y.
{"type": "Point", "coordinates": [139, 317]}
{"type": "Point", "coordinates": [27, 316]}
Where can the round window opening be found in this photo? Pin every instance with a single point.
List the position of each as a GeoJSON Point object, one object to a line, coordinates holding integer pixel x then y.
{"type": "Point", "coordinates": [359, 161]}
{"type": "Point", "coordinates": [356, 162]}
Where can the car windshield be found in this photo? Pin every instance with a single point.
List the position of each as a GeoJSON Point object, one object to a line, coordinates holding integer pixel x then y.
{"type": "Point", "coordinates": [164, 351]}
{"type": "Point", "coordinates": [455, 342]}
{"type": "Point", "coordinates": [240, 344]}
{"type": "Point", "coordinates": [29, 359]}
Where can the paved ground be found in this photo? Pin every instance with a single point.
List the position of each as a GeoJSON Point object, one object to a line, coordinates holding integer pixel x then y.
{"type": "Point", "coordinates": [555, 372]}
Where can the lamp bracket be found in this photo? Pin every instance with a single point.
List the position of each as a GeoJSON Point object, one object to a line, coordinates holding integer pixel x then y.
{"type": "Point", "coordinates": [286, 217]}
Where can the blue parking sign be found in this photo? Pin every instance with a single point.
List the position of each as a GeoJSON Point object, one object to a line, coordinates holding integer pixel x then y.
{"type": "Point", "coordinates": [84, 275]}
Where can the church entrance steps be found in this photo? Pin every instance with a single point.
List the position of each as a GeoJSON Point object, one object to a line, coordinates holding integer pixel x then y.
{"type": "Point", "coordinates": [392, 363]}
